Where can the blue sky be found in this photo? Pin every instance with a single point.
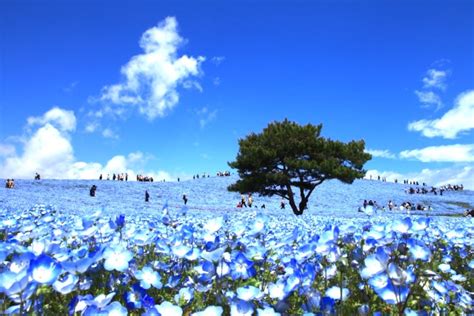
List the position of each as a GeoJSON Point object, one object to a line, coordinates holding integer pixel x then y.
{"type": "Point", "coordinates": [168, 88]}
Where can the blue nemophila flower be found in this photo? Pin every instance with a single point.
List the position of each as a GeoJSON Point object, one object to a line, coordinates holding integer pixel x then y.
{"type": "Point", "coordinates": [418, 250]}
{"type": "Point", "coordinates": [148, 278]}
{"type": "Point", "coordinates": [117, 258]}
{"type": "Point", "coordinates": [379, 281]}
{"type": "Point", "coordinates": [167, 308]}
{"type": "Point", "coordinates": [222, 268]}
{"type": "Point", "coordinates": [184, 296]}
{"type": "Point", "coordinates": [102, 300]}
{"type": "Point", "coordinates": [267, 311]}
{"type": "Point", "coordinates": [393, 294]}
{"type": "Point", "coordinates": [398, 276]}
{"type": "Point", "coordinates": [206, 271]}
{"type": "Point", "coordinates": [66, 284]}
{"type": "Point", "coordinates": [213, 225]}
{"type": "Point", "coordinates": [258, 224]}
{"type": "Point", "coordinates": [214, 255]}
{"type": "Point", "coordinates": [241, 308]}
{"type": "Point", "coordinates": [291, 283]}
{"type": "Point", "coordinates": [336, 293]}
{"type": "Point", "coordinates": [445, 268]}
{"type": "Point", "coordinates": [115, 309]}
{"type": "Point", "coordinates": [402, 225]}
{"type": "Point", "coordinates": [241, 267]}
{"type": "Point", "coordinates": [210, 311]}
{"type": "Point", "coordinates": [181, 250]}
{"type": "Point", "coordinates": [327, 306]}
{"type": "Point", "coordinates": [248, 293]}
{"type": "Point", "coordinates": [420, 224]}
{"type": "Point", "coordinates": [374, 264]}
{"type": "Point", "coordinates": [330, 234]}
{"type": "Point", "coordinates": [277, 290]}
{"type": "Point", "coordinates": [471, 264]}
{"type": "Point", "coordinates": [44, 269]}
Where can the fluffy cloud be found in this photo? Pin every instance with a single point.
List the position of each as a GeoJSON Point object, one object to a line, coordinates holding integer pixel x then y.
{"type": "Point", "coordinates": [428, 98]}
{"type": "Point", "coordinates": [381, 153]}
{"type": "Point", "coordinates": [48, 151]}
{"type": "Point", "coordinates": [436, 177]}
{"type": "Point", "coordinates": [63, 119]}
{"type": "Point", "coordinates": [151, 79]}
{"type": "Point", "coordinates": [457, 120]}
{"type": "Point", "coordinates": [435, 79]}
{"type": "Point", "coordinates": [448, 153]}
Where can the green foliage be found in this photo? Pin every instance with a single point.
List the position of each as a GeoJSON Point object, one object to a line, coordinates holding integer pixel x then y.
{"type": "Point", "coordinates": [287, 155]}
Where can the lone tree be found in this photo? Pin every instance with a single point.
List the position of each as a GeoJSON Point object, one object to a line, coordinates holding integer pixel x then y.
{"type": "Point", "coordinates": [287, 156]}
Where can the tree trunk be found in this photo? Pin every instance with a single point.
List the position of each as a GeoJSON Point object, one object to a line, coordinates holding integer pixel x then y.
{"type": "Point", "coordinates": [291, 199]}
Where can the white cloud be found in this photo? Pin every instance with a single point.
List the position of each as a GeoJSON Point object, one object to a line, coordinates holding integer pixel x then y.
{"type": "Point", "coordinates": [457, 120]}
{"type": "Point", "coordinates": [447, 153]}
{"type": "Point", "coordinates": [381, 153]}
{"type": "Point", "coordinates": [428, 98]}
{"type": "Point", "coordinates": [7, 150]}
{"type": "Point", "coordinates": [206, 116]}
{"type": "Point", "coordinates": [48, 151]}
{"type": "Point", "coordinates": [108, 133]}
{"type": "Point", "coordinates": [436, 177]}
{"type": "Point", "coordinates": [192, 84]}
{"type": "Point", "coordinates": [63, 119]}
{"type": "Point", "coordinates": [216, 81]}
{"type": "Point", "coordinates": [435, 79]}
{"type": "Point", "coordinates": [217, 60]}
{"type": "Point", "coordinates": [91, 127]}
{"type": "Point", "coordinates": [151, 79]}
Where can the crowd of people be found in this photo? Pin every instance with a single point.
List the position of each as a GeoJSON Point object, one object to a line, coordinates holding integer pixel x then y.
{"type": "Point", "coordinates": [142, 178]}
{"type": "Point", "coordinates": [197, 176]}
{"type": "Point", "coordinates": [223, 173]}
{"type": "Point", "coordinates": [449, 187]}
{"type": "Point", "coordinates": [118, 177]}
{"type": "Point", "coordinates": [435, 191]}
{"type": "Point", "coordinates": [408, 206]}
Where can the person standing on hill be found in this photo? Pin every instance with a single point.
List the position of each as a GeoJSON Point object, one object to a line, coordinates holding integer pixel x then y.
{"type": "Point", "coordinates": [242, 201]}
{"type": "Point", "coordinates": [92, 190]}
{"type": "Point", "coordinates": [250, 200]}
{"type": "Point", "coordinates": [185, 199]}
{"type": "Point", "coordinates": [147, 196]}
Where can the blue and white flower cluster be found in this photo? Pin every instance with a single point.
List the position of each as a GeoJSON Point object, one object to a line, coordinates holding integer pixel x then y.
{"type": "Point", "coordinates": [250, 264]}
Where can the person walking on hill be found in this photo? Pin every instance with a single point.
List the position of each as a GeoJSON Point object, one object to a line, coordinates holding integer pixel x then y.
{"type": "Point", "coordinates": [185, 199]}
{"type": "Point", "coordinates": [147, 196]}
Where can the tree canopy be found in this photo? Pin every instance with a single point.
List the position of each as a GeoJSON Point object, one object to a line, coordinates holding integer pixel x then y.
{"type": "Point", "coordinates": [288, 156]}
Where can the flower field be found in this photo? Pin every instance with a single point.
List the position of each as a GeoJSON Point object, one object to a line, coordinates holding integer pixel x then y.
{"type": "Point", "coordinates": [116, 255]}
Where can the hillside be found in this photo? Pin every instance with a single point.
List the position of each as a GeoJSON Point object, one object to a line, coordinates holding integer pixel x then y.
{"type": "Point", "coordinates": [210, 195]}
